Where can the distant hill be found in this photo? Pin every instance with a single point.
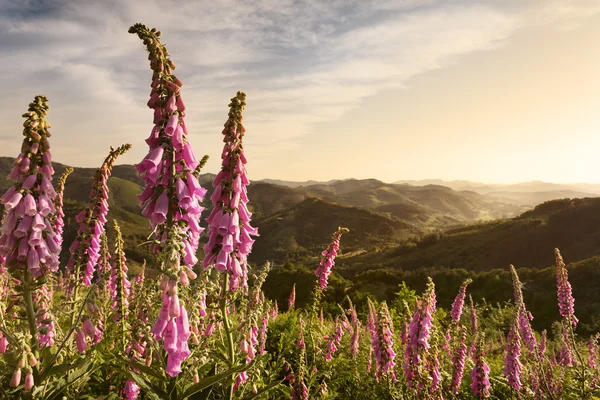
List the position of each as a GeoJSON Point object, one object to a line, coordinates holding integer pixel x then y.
{"type": "Point", "coordinates": [293, 184]}
{"type": "Point", "coordinates": [431, 206]}
{"type": "Point", "coordinates": [533, 198]}
{"type": "Point", "coordinates": [526, 241]}
{"type": "Point", "coordinates": [296, 222]}
{"type": "Point", "coordinates": [305, 229]}
{"type": "Point", "coordinates": [524, 193]}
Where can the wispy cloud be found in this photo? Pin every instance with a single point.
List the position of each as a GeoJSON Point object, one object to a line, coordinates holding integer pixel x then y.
{"type": "Point", "coordinates": [301, 62]}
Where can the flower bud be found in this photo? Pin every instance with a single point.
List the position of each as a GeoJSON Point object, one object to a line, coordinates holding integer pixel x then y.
{"type": "Point", "coordinates": [191, 274]}
{"type": "Point", "coordinates": [194, 338]}
{"type": "Point", "coordinates": [149, 358]}
{"type": "Point", "coordinates": [174, 309]}
{"type": "Point", "coordinates": [29, 381]}
{"type": "Point", "coordinates": [163, 282]}
{"type": "Point", "coordinates": [183, 279]}
{"type": "Point", "coordinates": [32, 360]}
{"type": "Point", "coordinates": [16, 378]}
{"type": "Point", "coordinates": [88, 328]}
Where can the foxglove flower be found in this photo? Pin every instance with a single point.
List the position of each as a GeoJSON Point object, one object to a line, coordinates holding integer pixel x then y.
{"type": "Point", "coordinates": [381, 329]}
{"type": "Point", "coordinates": [480, 375]}
{"type": "Point", "coordinates": [230, 233]}
{"type": "Point", "coordinates": [542, 345]}
{"type": "Point", "coordinates": [3, 343]}
{"type": "Point", "coordinates": [459, 301]}
{"type": "Point", "coordinates": [45, 320]}
{"type": "Point", "coordinates": [87, 246]}
{"type": "Point", "coordinates": [566, 302]}
{"type": "Point", "coordinates": [458, 360]}
{"type": "Point", "coordinates": [104, 267]}
{"type": "Point", "coordinates": [171, 197]}
{"type": "Point", "coordinates": [2, 259]}
{"type": "Point", "coordinates": [524, 317]}
{"type": "Point", "coordinates": [131, 391]}
{"type": "Point", "coordinates": [292, 299]}
{"type": "Point", "coordinates": [354, 340]}
{"type": "Point", "coordinates": [512, 362]}
{"type": "Point", "coordinates": [373, 328]}
{"type": "Point", "coordinates": [27, 239]}
{"type": "Point", "coordinates": [119, 285]}
{"type": "Point", "coordinates": [299, 390]}
{"type": "Point", "coordinates": [58, 223]}
{"type": "Point", "coordinates": [386, 342]}
{"type": "Point", "coordinates": [262, 334]}
{"type": "Point", "coordinates": [433, 366]}
{"type": "Point", "coordinates": [328, 258]}
{"type": "Point", "coordinates": [333, 342]}
{"type": "Point", "coordinates": [85, 249]}
{"type": "Point", "coordinates": [565, 355]}
{"type": "Point", "coordinates": [419, 331]}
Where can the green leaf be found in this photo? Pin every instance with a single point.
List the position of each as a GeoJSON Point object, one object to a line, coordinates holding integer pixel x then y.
{"type": "Point", "coordinates": [142, 367]}
{"type": "Point", "coordinates": [63, 369]}
{"type": "Point", "coordinates": [206, 369]}
{"type": "Point", "coordinates": [77, 374]}
{"type": "Point", "coordinates": [211, 380]}
{"type": "Point", "coordinates": [266, 389]}
{"type": "Point", "coordinates": [203, 395]}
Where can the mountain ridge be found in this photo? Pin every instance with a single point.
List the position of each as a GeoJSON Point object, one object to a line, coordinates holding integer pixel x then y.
{"type": "Point", "coordinates": [296, 222]}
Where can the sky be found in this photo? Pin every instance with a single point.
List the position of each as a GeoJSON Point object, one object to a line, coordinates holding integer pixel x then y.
{"type": "Point", "coordinates": [495, 91]}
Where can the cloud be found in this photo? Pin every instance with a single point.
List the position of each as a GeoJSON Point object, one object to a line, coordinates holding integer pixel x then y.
{"type": "Point", "coordinates": [301, 62]}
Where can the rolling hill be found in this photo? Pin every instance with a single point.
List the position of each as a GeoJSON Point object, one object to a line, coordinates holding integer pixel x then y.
{"type": "Point", "coordinates": [524, 193]}
{"type": "Point", "coordinates": [526, 241]}
{"type": "Point", "coordinates": [296, 222]}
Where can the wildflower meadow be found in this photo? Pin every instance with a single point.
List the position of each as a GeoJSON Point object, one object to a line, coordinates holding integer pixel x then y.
{"type": "Point", "coordinates": [201, 327]}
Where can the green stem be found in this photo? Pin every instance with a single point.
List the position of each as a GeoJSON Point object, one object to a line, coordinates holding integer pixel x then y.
{"type": "Point", "coordinates": [228, 333]}
{"type": "Point", "coordinates": [123, 330]}
{"type": "Point", "coordinates": [72, 329]}
{"type": "Point", "coordinates": [27, 296]}
{"type": "Point", "coordinates": [540, 361]}
{"type": "Point", "coordinates": [75, 294]}
{"type": "Point", "coordinates": [579, 357]}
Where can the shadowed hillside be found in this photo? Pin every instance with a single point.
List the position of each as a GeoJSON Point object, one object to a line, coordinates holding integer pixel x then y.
{"type": "Point", "coordinates": [526, 241]}
{"type": "Point", "coordinates": [305, 229]}
{"type": "Point", "coordinates": [441, 203]}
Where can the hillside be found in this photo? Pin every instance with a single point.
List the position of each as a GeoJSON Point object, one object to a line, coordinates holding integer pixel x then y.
{"type": "Point", "coordinates": [407, 210]}
{"type": "Point", "coordinates": [537, 197]}
{"type": "Point", "coordinates": [526, 241]}
{"type": "Point", "coordinates": [295, 223]}
{"type": "Point", "coordinates": [524, 193]}
{"type": "Point", "coordinates": [305, 229]}
{"type": "Point", "coordinates": [464, 206]}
